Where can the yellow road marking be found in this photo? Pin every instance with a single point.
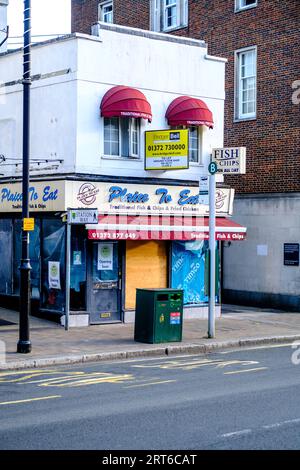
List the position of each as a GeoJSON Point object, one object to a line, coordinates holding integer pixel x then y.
{"type": "Point", "coordinates": [89, 379]}
{"type": "Point", "coordinates": [245, 370]}
{"type": "Point", "coordinates": [151, 383]}
{"type": "Point", "coordinates": [6, 377]}
{"type": "Point", "coordinates": [189, 365]}
{"type": "Point", "coordinates": [253, 348]}
{"type": "Point", "coordinates": [29, 400]}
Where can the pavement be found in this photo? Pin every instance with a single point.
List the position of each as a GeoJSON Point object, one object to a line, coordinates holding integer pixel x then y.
{"type": "Point", "coordinates": [52, 345]}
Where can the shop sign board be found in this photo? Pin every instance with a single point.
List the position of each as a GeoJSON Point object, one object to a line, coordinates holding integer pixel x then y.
{"type": "Point", "coordinates": [230, 160]}
{"type": "Point", "coordinates": [167, 149]}
{"type": "Point", "coordinates": [133, 199]}
{"type": "Point", "coordinates": [115, 198]}
{"type": "Point", "coordinates": [44, 196]}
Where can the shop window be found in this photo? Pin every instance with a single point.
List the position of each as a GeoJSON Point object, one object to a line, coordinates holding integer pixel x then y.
{"type": "Point", "coordinates": [244, 4]}
{"type": "Point", "coordinates": [53, 265]}
{"type": "Point", "coordinates": [78, 272]}
{"type": "Point", "coordinates": [6, 243]}
{"type": "Point", "coordinates": [34, 256]}
{"type": "Point", "coordinates": [106, 12]}
{"type": "Point", "coordinates": [189, 270]}
{"type": "Point", "coordinates": [169, 14]}
{"type": "Point", "coordinates": [121, 137]}
{"type": "Point", "coordinates": [246, 78]}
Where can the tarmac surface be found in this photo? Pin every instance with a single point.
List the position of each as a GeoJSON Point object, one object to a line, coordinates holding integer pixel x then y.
{"type": "Point", "coordinates": [51, 344]}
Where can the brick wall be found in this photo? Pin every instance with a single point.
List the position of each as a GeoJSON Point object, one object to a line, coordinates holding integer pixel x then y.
{"type": "Point", "coordinates": [273, 139]}
{"type": "Point", "coordinates": [133, 13]}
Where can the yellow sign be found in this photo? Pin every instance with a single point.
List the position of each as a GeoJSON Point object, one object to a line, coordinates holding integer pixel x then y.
{"type": "Point", "coordinates": [167, 150]}
{"type": "Point", "coordinates": [28, 225]}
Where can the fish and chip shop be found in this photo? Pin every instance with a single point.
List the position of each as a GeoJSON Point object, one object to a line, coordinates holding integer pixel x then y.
{"type": "Point", "coordinates": [146, 236]}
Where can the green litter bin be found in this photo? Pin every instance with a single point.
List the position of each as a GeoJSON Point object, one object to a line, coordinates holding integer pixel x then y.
{"type": "Point", "coordinates": [158, 315]}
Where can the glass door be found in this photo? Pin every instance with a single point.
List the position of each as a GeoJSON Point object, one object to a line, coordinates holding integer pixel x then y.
{"type": "Point", "coordinates": [105, 288]}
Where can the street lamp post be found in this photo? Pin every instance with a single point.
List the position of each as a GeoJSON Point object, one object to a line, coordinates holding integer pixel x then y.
{"type": "Point", "coordinates": [24, 344]}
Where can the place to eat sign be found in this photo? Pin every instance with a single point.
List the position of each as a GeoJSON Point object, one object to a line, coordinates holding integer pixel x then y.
{"type": "Point", "coordinates": [82, 216]}
{"type": "Point", "coordinates": [167, 149]}
{"type": "Point", "coordinates": [230, 160]}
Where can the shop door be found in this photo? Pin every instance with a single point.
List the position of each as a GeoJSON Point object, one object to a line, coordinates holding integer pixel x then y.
{"type": "Point", "coordinates": [105, 289]}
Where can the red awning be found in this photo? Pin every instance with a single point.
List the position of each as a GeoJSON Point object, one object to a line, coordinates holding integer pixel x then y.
{"type": "Point", "coordinates": [151, 227]}
{"type": "Point", "coordinates": [125, 101]}
{"type": "Point", "coordinates": [187, 111]}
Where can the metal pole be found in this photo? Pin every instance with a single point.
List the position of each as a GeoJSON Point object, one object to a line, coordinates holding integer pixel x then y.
{"type": "Point", "coordinates": [68, 267]}
{"type": "Point", "coordinates": [24, 344]}
{"type": "Point", "coordinates": [212, 257]}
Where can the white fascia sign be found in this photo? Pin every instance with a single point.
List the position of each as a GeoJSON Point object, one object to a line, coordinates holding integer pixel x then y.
{"type": "Point", "coordinates": [230, 160]}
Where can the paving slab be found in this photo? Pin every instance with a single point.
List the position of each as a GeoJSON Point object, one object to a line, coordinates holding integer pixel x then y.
{"type": "Point", "coordinates": [51, 344]}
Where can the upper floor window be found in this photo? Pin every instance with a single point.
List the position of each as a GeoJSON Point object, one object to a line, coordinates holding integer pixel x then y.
{"type": "Point", "coordinates": [194, 144]}
{"type": "Point", "coordinates": [244, 4]}
{"type": "Point", "coordinates": [168, 14]}
{"type": "Point", "coordinates": [106, 12]}
{"type": "Point", "coordinates": [246, 78]}
{"type": "Point", "coordinates": [122, 137]}
{"type": "Point", "coordinates": [195, 139]}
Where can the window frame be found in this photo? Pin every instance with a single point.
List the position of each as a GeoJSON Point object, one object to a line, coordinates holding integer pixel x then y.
{"type": "Point", "coordinates": [200, 142]}
{"type": "Point", "coordinates": [101, 7]}
{"type": "Point", "coordinates": [238, 112]}
{"type": "Point", "coordinates": [164, 16]}
{"type": "Point", "coordinates": [158, 10]}
{"type": "Point", "coordinates": [238, 6]}
{"type": "Point", "coordinates": [131, 130]}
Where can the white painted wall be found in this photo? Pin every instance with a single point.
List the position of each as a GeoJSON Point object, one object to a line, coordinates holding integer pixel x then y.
{"type": "Point", "coordinates": [53, 107]}
{"type": "Point", "coordinates": [66, 120]}
{"type": "Point", "coordinates": [256, 265]}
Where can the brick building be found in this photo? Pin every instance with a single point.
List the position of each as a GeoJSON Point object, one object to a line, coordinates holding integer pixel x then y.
{"type": "Point", "coordinates": [260, 40]}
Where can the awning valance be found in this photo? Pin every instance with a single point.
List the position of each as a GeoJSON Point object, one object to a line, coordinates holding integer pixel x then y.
{"type": "Point", "coordinates": [150, 227]}
{"type": "Point", "coordinates": [187, 111]}
{"type": "Point", "coordinates": [127, 102]}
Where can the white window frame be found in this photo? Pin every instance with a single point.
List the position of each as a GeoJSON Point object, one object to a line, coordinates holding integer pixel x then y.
{"type": "Point", "coordinates": [132, 130]}
{"type": "Point", "coordinates": [158, 10]}
{"type": "Point", "coordinates": [101, 7]}
{"type": "Point", "coordinates": [165, 8]}
{"type": "Point", "coordinates": [240, 7]}
{"type": "Point", "coordinates": [238, 111]}
{"type": "Point", "coordinates": [200, 140]}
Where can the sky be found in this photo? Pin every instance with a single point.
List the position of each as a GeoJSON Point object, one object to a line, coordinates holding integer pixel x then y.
{"type": "Point", "coordinates": [48, 17]}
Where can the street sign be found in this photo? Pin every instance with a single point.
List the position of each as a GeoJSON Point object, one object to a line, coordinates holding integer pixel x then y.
{"type": "Point", "coordinates": [167, 149]}
{"type": "Point", "coordinates": [230, 160]}
{"type": "Point", "coordinates": [212, 168]}
{"type": "Point", "coordinates": [203, 190]}
{"type": "Point", "coordinates": [28, 225]}
{"type": "Point", "coordinates": [82, 216]}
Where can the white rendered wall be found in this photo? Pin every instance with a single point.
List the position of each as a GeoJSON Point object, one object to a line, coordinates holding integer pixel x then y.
{"type": "Point", "coordinates": [53, 107]}
{"type": "Point", "coordinates": [163, 71]}
{"type": "Point", "coordinates": [65, 114]}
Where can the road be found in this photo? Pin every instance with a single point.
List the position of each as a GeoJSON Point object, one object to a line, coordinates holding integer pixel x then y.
{"type": "Point", "coordinates": [245, 399]}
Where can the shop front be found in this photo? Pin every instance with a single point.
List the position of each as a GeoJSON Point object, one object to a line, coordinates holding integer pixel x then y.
{"type": "Point", "coordinates": [147, 236]}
